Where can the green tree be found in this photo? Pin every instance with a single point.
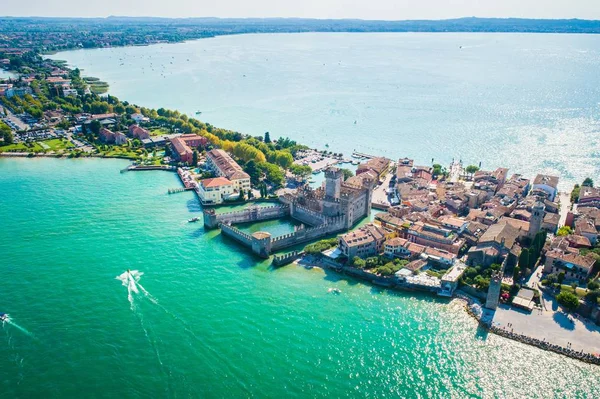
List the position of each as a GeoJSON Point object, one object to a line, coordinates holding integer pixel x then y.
{"type": "Point", "coordinates": [588, 182]}
{"type": "Point", "coordinates": [575, 193]}
{"type": "Point", "coordinates": [195, 160]}
{"type": "Point", "coordinates": [471, 169]}
{"type": "Point", "coordinates": [592, 297]}
{"type": "Point", "coordinates": [347, 173]}
{"type": "Point", "coordinates": [252, 171]}
{"type": "Point", "coordinates": [358, 262]}
{"type": "Point", "coordinates": [593, 285]}
{"type": "Point", "coordinates": [516, 272]}
{"type": "Point", "coordinates": [267, 138]}
{"type": "Point", "coordinates": [95, 126]}
{"type": "Point", "coordinates": [564, 231]}
{"type": "Point", "coordinates": [524, 259]}
{"type": "Point", "coordinates": [560, 278]}
{"type": "Point", "coordinates": [568, 300]}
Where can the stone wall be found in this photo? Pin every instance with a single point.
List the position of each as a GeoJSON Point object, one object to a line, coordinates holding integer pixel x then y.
{"type": "Point", "coordinates": [236, 234]}
{"type": "Point", "coordinates": [250, 214]}
{"type": "Point", "coordinates": [307, 216]}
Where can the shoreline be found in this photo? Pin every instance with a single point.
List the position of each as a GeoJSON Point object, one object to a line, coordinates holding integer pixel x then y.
{"type": "Point", "coordinates": [468, 302]}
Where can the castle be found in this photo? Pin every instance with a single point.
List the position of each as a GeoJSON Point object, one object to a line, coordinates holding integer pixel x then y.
{"type": "Point", "coordinates": [332, 208]}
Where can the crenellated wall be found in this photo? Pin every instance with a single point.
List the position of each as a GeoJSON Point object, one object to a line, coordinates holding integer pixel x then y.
{"type": "Point", "coordinates": [250, 214]}
{"type": "Point", "coordinates": [306, 215]}
{"type": "Point", "coordinates": [237, 234]}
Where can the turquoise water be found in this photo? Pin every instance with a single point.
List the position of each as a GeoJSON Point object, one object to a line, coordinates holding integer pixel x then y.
{"type": "Point", "coordinates": [530, 102]}
{"type": "Point", "coordinates": [216, 322]}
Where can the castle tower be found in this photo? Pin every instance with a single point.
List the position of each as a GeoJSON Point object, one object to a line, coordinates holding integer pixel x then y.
{"type": "Point", "coordinates": [333, 182]}
{"type": "Point", "coordinates": [537, 218]}
{"type": "Point", "coordinates": [493, 296]}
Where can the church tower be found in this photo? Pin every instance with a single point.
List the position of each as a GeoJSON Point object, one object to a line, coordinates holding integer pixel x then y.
{"type": "Point", "coordinates": [537, 218]}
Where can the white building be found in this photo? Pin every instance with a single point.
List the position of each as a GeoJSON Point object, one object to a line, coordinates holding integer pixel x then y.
{"type": "Point", "coordinates": [139, 118]}
{"type": "Point", "coordinates": [69, 92]}
{"type": "Point", "coordinates": [546, 183]}
{"type": "Point", "coordinates": [223, 165]}
{"type": "Point", "coordinates": [215, 191]}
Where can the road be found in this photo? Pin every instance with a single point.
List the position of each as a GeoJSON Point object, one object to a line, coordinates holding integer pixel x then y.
{"type": "Point", "coordinates": [379, 194]}
{"type": "Point", "coordinates": [565, 207]}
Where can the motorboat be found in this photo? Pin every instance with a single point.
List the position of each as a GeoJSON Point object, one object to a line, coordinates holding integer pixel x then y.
{"type": "Point", "coordinates": [192, 220]}
{"type": "Point", "coordinates": [3, 317]}
{"type": "Point", "coordinates": [336, 291]}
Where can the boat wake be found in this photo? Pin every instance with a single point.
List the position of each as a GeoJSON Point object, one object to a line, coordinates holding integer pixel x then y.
{"type": "Point", "coordinates": [130, 279]}
{"type": "Point", "coordinates": [10, 322]}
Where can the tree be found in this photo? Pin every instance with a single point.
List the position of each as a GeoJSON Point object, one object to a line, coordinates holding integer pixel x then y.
{"type": "Point", "coordinates": [471, 169]}
{"type": "Point", "coordinates": [560, 278]}
{"type": "Point", "coordinates": [516, 273]}
{"type": "Point", "coordinates": [241, 196]}
{"type": "Point", "coordinates": [195, 160]}
{"type": "Point", "coordinates": [592, 297]}
{"type": "Point", "coordinates": [300, 170]}
{"type": "Point", "coordinates": [568, 300]}
{"type": "Point", "coordinates": [588, 182]}
{"type": "Point", "coordinates": [347, 173]}
{"type": "Point", "coordinates": [575, 193]}
{"type": "Point", "coordinates": [267, 138]}
{"type": "Point", "coordinates": [524, 259]}
{"type": "Point", "coordinates": [6, 133]}
{"type": "Point", "coordinates": [564, 231]}
{"type": "Point", "coordinates": [95, 126]}
{"type": "Point", "coordinates": [252, 171]}
{"type": "Point", "coordinates": [593, 285]}
{"type": "Point", "coordinates": [358, 262]}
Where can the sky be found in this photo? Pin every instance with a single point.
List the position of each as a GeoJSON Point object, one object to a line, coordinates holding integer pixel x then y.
{"type": "Point", "coordinates": [363, 9]}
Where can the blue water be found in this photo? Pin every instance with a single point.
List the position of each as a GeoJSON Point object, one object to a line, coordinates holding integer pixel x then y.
{"type": "Point", "coordinates": [530, 102]}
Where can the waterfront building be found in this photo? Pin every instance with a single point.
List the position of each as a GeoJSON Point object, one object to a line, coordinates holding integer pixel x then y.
{"type": "Point", "coordinates": [451, 278]}
{"type": "Point", "coordinates": [589, 197]}
{"type": "Point", "coordinates": [183, 146]}
{"type": "Point", "coordinates": [215, 191]}
{"type": "Point", "coordinates": [138, 132]}
{"type": "Point", "coordinates": [221, 164]}
{"type": "Point", "coordinates": [363, 242]}
{"type": "Point", "coordinates": [574, 265]}
{"type": "Point", "coordinates": [109, 137]}
{"type": "Point", "coordinates": [380, 165]}
{"type": "Point", "coordinates": [546, 184]}
{"type": "Point", "coordinates": [139, 118]}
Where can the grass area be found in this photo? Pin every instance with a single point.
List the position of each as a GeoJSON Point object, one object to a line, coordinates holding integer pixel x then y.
{"type": "Point", "coordinates": [121, 152]}
{"type": "Point", "coordinates": [159, 132]}
{"type": "Point", "coordinates": [21, 147]}
{"type": "Point", "coordinates": [58, 144]}
{"type": "Point", "coordinates": [580, 292]}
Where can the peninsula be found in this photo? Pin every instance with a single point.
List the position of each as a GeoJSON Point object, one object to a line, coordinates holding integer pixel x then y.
{"type": "Point", "coordinates": [501, 241]}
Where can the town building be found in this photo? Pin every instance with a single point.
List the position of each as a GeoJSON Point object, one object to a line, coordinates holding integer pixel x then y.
{"type": "Point", "coordinates": [215, 191]}
{"type": "Point", "coordinates": [574, 265]}
{"type": "Point", "coordinates": [139, 118]}
{"type": "Point", "coordinates": [546, 184]}
{"type": "Point", "coordinates": [183, 147]}
{"type": "Point", "coordinates": [587, 227]}
{"type": "Point", "coordinates": [589, 197]}
{"type": "Point", "coordinates": [363, 242]}
{"type": "Point", "coordinates": [221, 164]}
{"type": "Point", "coordinates": [498, 242]}
{"type": "Point", "coordinates": [138, 132]}
{"type": "Point", "coordinates": [379, 165]}
{"type": "Point", "coordinates": [109, 137]}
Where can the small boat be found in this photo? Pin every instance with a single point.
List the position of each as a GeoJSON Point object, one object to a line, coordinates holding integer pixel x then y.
{"type": "Point", "coordinates": [198, 112]}
{"type": "Point", "coordinates": [336, 291]}
{"type": "Point", "coordinates": [3, 317]}
{"type": "Point", "coordinates": [192, 220]}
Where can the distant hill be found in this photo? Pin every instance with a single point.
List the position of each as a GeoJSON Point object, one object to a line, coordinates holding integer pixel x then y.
{"type": "Point", "coordinates": [263, 25]}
